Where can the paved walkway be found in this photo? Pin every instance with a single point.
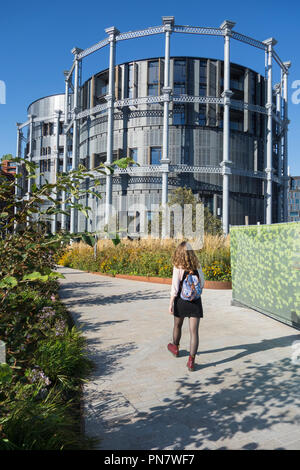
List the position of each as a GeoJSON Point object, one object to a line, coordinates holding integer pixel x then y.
{"type": "Point", "coordinates": [243, 394]}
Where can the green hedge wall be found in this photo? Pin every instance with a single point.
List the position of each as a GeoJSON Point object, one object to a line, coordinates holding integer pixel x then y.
{"type": "Point", "coordinates": [265, 265]}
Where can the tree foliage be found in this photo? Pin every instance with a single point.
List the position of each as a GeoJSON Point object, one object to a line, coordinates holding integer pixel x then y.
{"type": "Point", "coordinates": [184, 195]}
{"type": "Point", "coordinates": [27, 251]}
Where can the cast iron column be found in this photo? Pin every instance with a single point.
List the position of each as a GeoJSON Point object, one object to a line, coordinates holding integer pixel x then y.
{"type": "Point", "coordinates": [168, 22]}
{"type": "Point", "coordinates": [18, 166]}
{"type": "Point", "coordinates": [277, 89]}
{"type": "Point", "coordinates": [74, 212]}
{"type": "Point", "coordinates": [226, 163]}
{"type": "Point", "coordinates": [110, 97]}
{"type": "Point", "coordinates": [65, 157]}
{"type": "Point", "coordinates": [56, 170]}
{"type": "Point", "coordinates": [285, 141]}
{"type": "Point", "coordinates": [29, 154]}
{"type": "Point", "coordinates": [269, 168]}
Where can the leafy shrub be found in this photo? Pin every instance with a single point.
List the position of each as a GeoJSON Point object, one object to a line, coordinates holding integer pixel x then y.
{"type": "Point", "coordinates": [29, 423]}
{"type": "Point", "coordinates": [62, 355]}
{"type": "Point", "coordinates": [39, 396]}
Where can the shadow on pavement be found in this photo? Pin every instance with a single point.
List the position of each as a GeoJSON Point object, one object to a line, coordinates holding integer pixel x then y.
{"type": "Point", "coordinates": [252, 348]}
{"type": "Point", "coordinates": [77, 291]}
{"type": "Point", "coordinates": [207, 410]}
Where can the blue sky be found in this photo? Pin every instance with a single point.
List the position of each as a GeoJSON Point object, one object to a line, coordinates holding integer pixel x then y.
{"type": "Point", "coordinates": [37, 37]}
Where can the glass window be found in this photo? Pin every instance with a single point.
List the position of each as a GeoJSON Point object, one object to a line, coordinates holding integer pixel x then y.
{"type": "Point", "coordinates": [116, 156]}
{"type": "Point", "coordinates": [178, 115]}
{"type": "Point", "coordinates": [236, 125]}
{"type": "Point", "coordinates": [102, 85]}
{"type": "Point", "coordinates": [48, 128]}
{"type": "Point", "coordinates": [131, 81]}
{"type": "Point", "coordinates": [152, 90]}
{"type": "Point", "coordinates": [179, 71]}
{"type": "Point", "coordinates": [202, 89]}
{"type": "Point", "coordinates": [237, 82]}
{"type": "Point", "coordinates": [155, 155]}
{"type": "Point", "coordinates": [203, 71]}
{"type": "Point", "coordinates": [99, 158]}
{"type": "Point", "coordinates": [45, 165]}
{"type": "Point", "coordinates": [153, 78]}
{"type": "Point", "coordinates": [202, 116]}
{"type": "Point", "coordinates": [133, 155]}
{"type": "Point", "coordinates": [179, 77]}
{"type": "Point", "coordinates": [179, 88]}
{"type": "Point", "coordinates": [69, 164]}
{"type": "Point", "coordinates": [153, 74]}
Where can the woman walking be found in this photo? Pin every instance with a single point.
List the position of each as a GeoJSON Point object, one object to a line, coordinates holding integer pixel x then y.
{"type": "Point", "coordinates": [187, 285]}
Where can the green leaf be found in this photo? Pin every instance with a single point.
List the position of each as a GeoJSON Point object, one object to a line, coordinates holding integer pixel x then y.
{"type": "Point", "coordinates": [5, 373]}
{"type": "Point", "coordinates": [55, 275]}
{"type": "Point", "coordinates": [32, 276]}
{"type": "Point", "coordinates": [3, 214]}
{"type": "Point", "coordinates": [88, 239]}
{"type": "Point", "coordinates": [8, 282]}
{"type": "Point", "coordinates": [95, 194]}
{"type": "Point", "coordinates": [124, 162]}
{"type": "Point", "coordinates": [116, 240]}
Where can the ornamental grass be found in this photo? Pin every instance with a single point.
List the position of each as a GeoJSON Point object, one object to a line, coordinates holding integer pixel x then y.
{"type": "Point", "coordinates": [148, 257]}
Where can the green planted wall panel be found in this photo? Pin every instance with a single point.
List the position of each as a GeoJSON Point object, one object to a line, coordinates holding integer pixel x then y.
{"type": "Point", "coordinates": [265, 265]}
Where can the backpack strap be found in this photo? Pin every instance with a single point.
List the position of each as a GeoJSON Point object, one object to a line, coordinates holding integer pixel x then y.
{"type": "Point", "coordinates": [185, 274]}
{"type": "Point", "coordinates": [181, 282]}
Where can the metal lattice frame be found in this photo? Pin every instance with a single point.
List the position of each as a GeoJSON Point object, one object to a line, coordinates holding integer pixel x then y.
{"type": "Point", "coordinates": [198, 30]}
{"type": "Point", "coordinates": [178, 29]}
{"type": "Point", "coordinates": [72, 113]}
{"type": "Point", "coordinates": [138, 34]}
{"type": "Point", "coordinates": [247, 40]}
{"type": "Point", "coordinates": [92, 49]}
{"type": "Point", "coordinates": [178, 169]}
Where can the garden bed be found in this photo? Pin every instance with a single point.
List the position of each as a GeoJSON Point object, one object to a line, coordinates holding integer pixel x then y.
{"type": "Point", "coordinates": [168, 280]}
{"type": "Point", "coordinates": [41, 381]}
{"type": "Point", "coordinates": [147, 260]}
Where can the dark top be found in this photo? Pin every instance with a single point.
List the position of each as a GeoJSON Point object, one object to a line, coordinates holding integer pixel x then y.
{"type": "Point", "coordinates": [187, 308]}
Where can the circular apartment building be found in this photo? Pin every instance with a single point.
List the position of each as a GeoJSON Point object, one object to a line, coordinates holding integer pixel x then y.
{"type": "Point", "coordinates": [210, 125]}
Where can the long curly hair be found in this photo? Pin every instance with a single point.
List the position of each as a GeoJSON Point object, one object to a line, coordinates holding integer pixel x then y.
{"type": "Point", "coordinates": [185, 257]}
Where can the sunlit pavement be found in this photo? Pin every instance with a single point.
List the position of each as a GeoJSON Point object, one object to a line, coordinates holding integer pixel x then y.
{"type": "Point", "coordinates": [243, 394]}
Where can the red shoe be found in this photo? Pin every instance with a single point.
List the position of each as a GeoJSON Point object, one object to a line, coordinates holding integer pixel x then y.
{"type": "Point", "coordinates": [173, 349]}
{"type": "Point", "coordinates": [191, 363]}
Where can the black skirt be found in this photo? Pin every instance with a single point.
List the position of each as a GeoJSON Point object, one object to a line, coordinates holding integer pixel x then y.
{"type": "Point", "coordinates": [188, 308]}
